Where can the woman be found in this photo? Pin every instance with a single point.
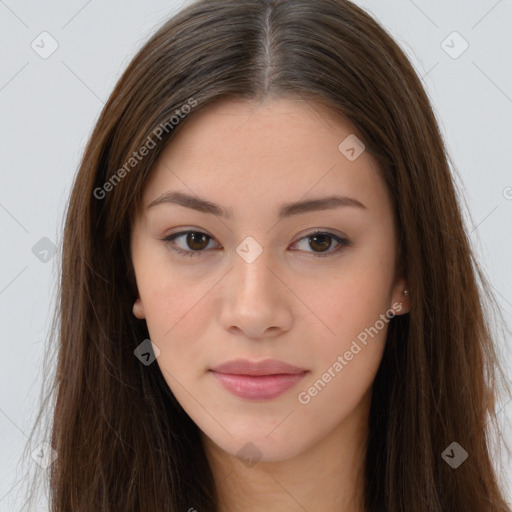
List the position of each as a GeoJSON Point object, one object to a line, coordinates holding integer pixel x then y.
{"type": "Point", "coordinates": [269, 300]}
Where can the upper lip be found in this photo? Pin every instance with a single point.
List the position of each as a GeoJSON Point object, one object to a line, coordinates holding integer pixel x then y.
{"type": "Point", "coordinates": [266, 367]}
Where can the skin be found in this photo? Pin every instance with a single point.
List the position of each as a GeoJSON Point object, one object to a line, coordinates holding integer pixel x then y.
{"type": "Point", "coordinates": [287, 304]}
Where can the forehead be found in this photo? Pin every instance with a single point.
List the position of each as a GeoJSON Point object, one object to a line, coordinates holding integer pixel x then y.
{"type": "Point", "coordinates": [239, 152]}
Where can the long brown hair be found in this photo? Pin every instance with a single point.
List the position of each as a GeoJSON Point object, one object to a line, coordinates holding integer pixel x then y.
{"type": "Point", "coordinates": [122, 440]}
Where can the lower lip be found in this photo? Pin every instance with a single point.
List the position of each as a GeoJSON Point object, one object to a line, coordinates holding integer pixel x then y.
{"type": "Point", "coordinates": [258, 387]}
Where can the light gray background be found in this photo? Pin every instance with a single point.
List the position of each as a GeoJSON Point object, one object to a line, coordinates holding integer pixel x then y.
{"type": "Point", "coordinates": [49, 106]}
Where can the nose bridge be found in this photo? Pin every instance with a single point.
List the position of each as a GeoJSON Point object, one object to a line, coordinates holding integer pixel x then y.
{"type": "Point", "coordinates": [251, 266]}
{"type": "Point", "coordinates": [254, 301]}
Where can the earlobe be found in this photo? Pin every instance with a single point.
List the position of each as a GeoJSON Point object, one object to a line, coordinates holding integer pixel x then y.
{"type": "Point", "coordinates": [138, 309]}
{"type": "Point", "coordinates": [404, 302]}
{"type": "Point", "coordinates": [401, 304]}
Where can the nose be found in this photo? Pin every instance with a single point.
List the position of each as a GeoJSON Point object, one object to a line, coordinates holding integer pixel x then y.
{"type": "Point", "coordinates": [256, 301]}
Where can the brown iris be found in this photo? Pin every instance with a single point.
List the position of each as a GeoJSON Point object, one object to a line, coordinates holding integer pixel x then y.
{"type": "Point", "coordinates": [323, 241]}
{"type": "Point", "coordinates": [194, 238]}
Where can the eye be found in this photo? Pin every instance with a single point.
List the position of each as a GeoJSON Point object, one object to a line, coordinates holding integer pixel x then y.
{"type": "Point", "coordinates": [193, 239]}
{"type": "Point", "coordinates": [322, 240]}
{"type": "Point", "coordinates": [196, 242]}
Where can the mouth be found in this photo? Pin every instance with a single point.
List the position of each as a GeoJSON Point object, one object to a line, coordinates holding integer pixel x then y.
{"type": "Point", "coordinates": [253, 380]}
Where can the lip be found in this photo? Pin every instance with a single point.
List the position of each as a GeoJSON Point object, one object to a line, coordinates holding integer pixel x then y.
{"type": "Point", "coordinates": [265, 367]}
{"type": "Point", "coordinates": [258, 380]}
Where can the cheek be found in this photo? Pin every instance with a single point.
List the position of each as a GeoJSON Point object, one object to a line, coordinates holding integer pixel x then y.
{"type": "Point", "coordinates": [346, 363]}
{"type": "Point", "coordinates": [177, 314]}
{"type": "Point", "coordinates": [354, 299]}
{"type": "Point", "coordinates": [356, 309]}
{"type": "Point", "coordinates": [171, 294]}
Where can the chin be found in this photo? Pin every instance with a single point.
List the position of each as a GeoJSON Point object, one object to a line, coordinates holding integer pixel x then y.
{"type": "Point", "coordinates": [259, 447]}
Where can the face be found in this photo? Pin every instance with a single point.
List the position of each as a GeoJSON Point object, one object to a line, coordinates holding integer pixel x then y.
{"type": "Point", "coordinates": [257, 278]}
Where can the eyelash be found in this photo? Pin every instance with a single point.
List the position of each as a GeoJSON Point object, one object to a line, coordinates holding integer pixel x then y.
{"type": "Point", "coordinates": [342, 241]}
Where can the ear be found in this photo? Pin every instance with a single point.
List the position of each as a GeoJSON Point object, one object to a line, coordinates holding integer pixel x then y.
{"type": "Point", "coordinates": [138, 309]}
{"type": "Point", "coordinates": [400, 303]}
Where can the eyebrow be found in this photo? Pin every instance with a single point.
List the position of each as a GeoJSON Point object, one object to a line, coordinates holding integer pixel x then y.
{"type": "Point", "coordinates": [286, 210]}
